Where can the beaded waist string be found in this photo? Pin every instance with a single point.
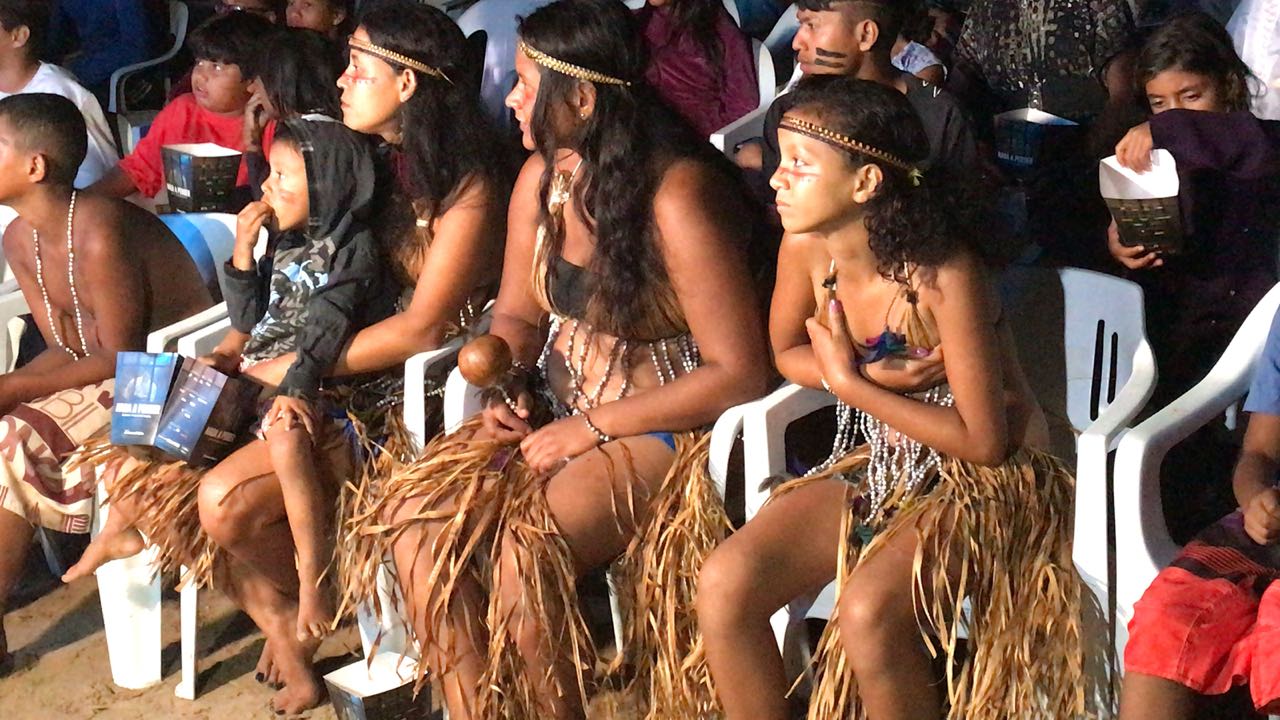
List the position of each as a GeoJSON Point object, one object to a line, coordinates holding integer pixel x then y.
{"type": "Point", "coordinates": [894, 463]}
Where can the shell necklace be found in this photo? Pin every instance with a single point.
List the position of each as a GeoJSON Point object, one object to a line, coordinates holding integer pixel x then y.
{"type": "Point", "coordinates": [71, 281]}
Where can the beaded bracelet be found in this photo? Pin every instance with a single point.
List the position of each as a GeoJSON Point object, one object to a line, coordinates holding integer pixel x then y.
{"type": "Point", "coordinates": [601, 437]}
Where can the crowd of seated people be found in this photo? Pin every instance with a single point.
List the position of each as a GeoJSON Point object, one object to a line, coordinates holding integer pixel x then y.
{"type": "Point", "coordinates": [618, 261]}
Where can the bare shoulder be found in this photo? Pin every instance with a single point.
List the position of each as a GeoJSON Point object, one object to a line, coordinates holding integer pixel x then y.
{"type": "Point", "coordinates": [105, 224]}
{"type": "Point", "coordinates": [964, 279]}
{"type": "Point", "coordinates": [803, 248]}
{"type": "Point", "coordinates": [530, 176]}
{"type": "Point", "coordinates": [17, 239]}
{"type": "Point", "coordinates": [686, 183]}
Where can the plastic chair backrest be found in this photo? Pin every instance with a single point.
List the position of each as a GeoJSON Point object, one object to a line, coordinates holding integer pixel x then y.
{"type": "Point", "coordinates": [778, 42]}
{"type": "Point", "coordinates": [1076, 335]}
{"type": "Point", "coordinates": [765, 77]}
{"type": "Point", "coordinates": [179, 22]}
{"type": "Point", "coordinates": [732, 7]}
{"type": "Point", "coordinates": [498, 19]}
{"type": "Point", "coordinates": [209, 238]}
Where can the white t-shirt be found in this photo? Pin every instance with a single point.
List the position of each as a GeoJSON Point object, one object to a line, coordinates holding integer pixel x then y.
{"type": "Point", "coordinates": [1255, 29]}
{"type": "Point", "coordinates": [101, 156]}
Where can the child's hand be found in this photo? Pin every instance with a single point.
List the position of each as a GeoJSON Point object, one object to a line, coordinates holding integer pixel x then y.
{"type": "Point", "coordinates": [1137, 257]}
{"type": "Point", "coordinates": [504, 424]}
{"type": "Point", "coordinates": [255, 116]}
{"type": "Point", "coordinates": [832, 347]}
{"type": "Point", "coordinates": [290, 411]}
{"type": "Point", "coordinates": [1134, 149]}
{"type": "Point", "coordinates": [223, 361]}
{"type": "Point", "coordinates": [1262, 517]}
{"type": "Point", "coordinates": [248, 224]}
{"type": "Point", "coordinates": [908, 375]}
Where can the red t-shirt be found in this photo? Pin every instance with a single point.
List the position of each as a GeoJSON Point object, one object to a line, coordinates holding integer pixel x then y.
{"type": "Point", "coordinates": [181, 121]}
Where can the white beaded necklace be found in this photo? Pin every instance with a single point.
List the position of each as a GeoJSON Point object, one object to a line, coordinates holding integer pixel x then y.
{"type": "Point", "coordinates": [71, 281]}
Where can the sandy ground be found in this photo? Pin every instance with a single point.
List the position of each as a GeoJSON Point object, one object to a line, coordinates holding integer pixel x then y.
{"type": "Point", "coordinates": [62, 672]}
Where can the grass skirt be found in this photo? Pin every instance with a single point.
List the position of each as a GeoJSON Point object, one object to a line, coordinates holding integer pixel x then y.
{"type": "Point", "coordinates": [1009, 533]}
{"type": "Point", "coordinates": [473, 493]}
{"type": "Point", "coordinates": [164, 491]}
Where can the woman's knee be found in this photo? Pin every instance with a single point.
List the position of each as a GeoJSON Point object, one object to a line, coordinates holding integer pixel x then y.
{"type": "Point", "coordinates": [727, 588]}
{"type": "Point", "coordinates": [874, 616]}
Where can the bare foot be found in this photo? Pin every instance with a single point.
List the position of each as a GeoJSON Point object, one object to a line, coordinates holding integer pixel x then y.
{"type": "Point", "coordinates": [315, 612]}
{"type": "Point", "coordinates": [301, 690]}
{"type": "Point", "coordinates": [266, 671]}
{"type": "Point", "coordinates": [104, 549]}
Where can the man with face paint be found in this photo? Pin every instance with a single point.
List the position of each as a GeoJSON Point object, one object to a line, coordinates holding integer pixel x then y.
{"type": "Point", "coordinates": [855, 38]}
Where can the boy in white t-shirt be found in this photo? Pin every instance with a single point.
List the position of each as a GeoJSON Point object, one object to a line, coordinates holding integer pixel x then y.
{"type": "Point", "coordinates": [23, 24]}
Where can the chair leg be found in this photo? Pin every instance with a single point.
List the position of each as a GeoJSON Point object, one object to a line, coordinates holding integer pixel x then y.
{"type": "Point", "coordinates": [129, 590]}
{"type": "Point", "coordinates": [615, 609]}
{"type": "Point", "coordinates": [190, 624]}
{"type": "Point", "coordinates": [50, 553]}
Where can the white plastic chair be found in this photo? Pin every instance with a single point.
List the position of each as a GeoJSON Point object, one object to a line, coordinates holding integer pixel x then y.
{"type": "Point", "coordinates": [766, 80]}
{"type": "Point", "coordinates": [179, 18]}
{"type": "Point", "coordinates": [497, 18]}
{"type": "Point", "coordinates": [1102, 374]}
{"type": "Point", "coordinates": [1143, 544]}
{"type": "Point", "coordinates": [778, 41]}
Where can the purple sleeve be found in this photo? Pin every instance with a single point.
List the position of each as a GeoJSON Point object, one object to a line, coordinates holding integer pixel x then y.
{"type": "Point", "coordinates": [1237, 143]}
{"type": "Point", "coordinates": [741, 91]}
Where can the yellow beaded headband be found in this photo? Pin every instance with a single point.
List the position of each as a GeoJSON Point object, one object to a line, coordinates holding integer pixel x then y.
{"type": "Point", "coordinates": [378, 51]}
{"type": "Point", "coordinates": [569, 69]}
{"type": "Point", "coordinates": [844, 142]}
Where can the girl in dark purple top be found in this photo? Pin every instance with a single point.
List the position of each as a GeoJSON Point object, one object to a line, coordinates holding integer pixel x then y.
{"type": "Point", "coordinates": [700, 63]}
{"type": "Point", "coordinates": [1229, 163]}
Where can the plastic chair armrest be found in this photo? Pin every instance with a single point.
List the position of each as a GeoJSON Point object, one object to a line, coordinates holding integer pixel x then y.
{"type": "Point", "coordinates": [723, 433]}
{"type": "Point", "coordinates": [744, 128]}
{"type": "Point", "coordinates": [764, 435]}
{"type": "Point", "coordinates": [415, 388]}
{"type": "Point", "coordinates": [204, 340]}
{"type": "Point", "coordinates": [159, 340]}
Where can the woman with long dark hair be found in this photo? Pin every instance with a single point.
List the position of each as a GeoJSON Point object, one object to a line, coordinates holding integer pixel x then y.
{"type": "Point", "coordinates": [626, 306]}
{"type": "Point", "coordinates": [700, 63]}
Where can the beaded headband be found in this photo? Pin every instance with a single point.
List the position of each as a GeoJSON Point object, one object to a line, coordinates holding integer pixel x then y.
{"type": "Point", "coordinates": [378, 51]}
{"type": "Point", "coordinates": [844, 142]}
{"type": "Point", "coordinates": [569, 69]}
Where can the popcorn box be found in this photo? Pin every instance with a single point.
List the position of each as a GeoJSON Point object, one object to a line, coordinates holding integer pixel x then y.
{"type": "Point", "coordinates": [379, 689]}
{"type": "Point", "coordinates": [1144, 205]}
{"type": "Point", "coordinates": [1028, 138]}
{"type": "Point", "coordinates": [200, 177]}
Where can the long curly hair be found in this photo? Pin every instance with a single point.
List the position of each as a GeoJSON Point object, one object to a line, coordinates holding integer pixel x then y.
{"type": "Point", "coordinates": [1196, 43]}
{"type": "Point", "coordinates": [446, 139]}
{"type": "Point", "coordinates": [924, 224]}
{"type": "Point", "coordinates": [626, 146]}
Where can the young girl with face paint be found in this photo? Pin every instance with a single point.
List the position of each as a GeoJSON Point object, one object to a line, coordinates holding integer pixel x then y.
{"type": "Point", "coordinates": [881, 299]}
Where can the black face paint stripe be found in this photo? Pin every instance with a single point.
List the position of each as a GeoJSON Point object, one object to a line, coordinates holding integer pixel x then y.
{"type": "Point", "coordinates": [823, 52]}
{"type": "Point", "coordinates": [828, 64]}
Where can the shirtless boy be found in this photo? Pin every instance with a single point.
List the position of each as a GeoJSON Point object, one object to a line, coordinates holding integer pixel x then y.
{"type": "Point", "coordinates": [98, 275]}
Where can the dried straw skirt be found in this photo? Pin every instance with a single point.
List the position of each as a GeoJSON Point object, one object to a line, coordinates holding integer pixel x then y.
{"type": "Point", "coordinates": [471, 494]}
{"type": "Point", "coordinates": [164, 491]}
{"type": "Point", "coordinates": [1007, 530]}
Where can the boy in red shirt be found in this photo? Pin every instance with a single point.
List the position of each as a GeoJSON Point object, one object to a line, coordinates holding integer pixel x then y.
{"type": "Point", "coordinates": [212, 112]}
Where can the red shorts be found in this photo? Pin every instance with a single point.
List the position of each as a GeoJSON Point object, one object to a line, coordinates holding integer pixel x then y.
{"type": "Point", "coordinates": [1211, 622]}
